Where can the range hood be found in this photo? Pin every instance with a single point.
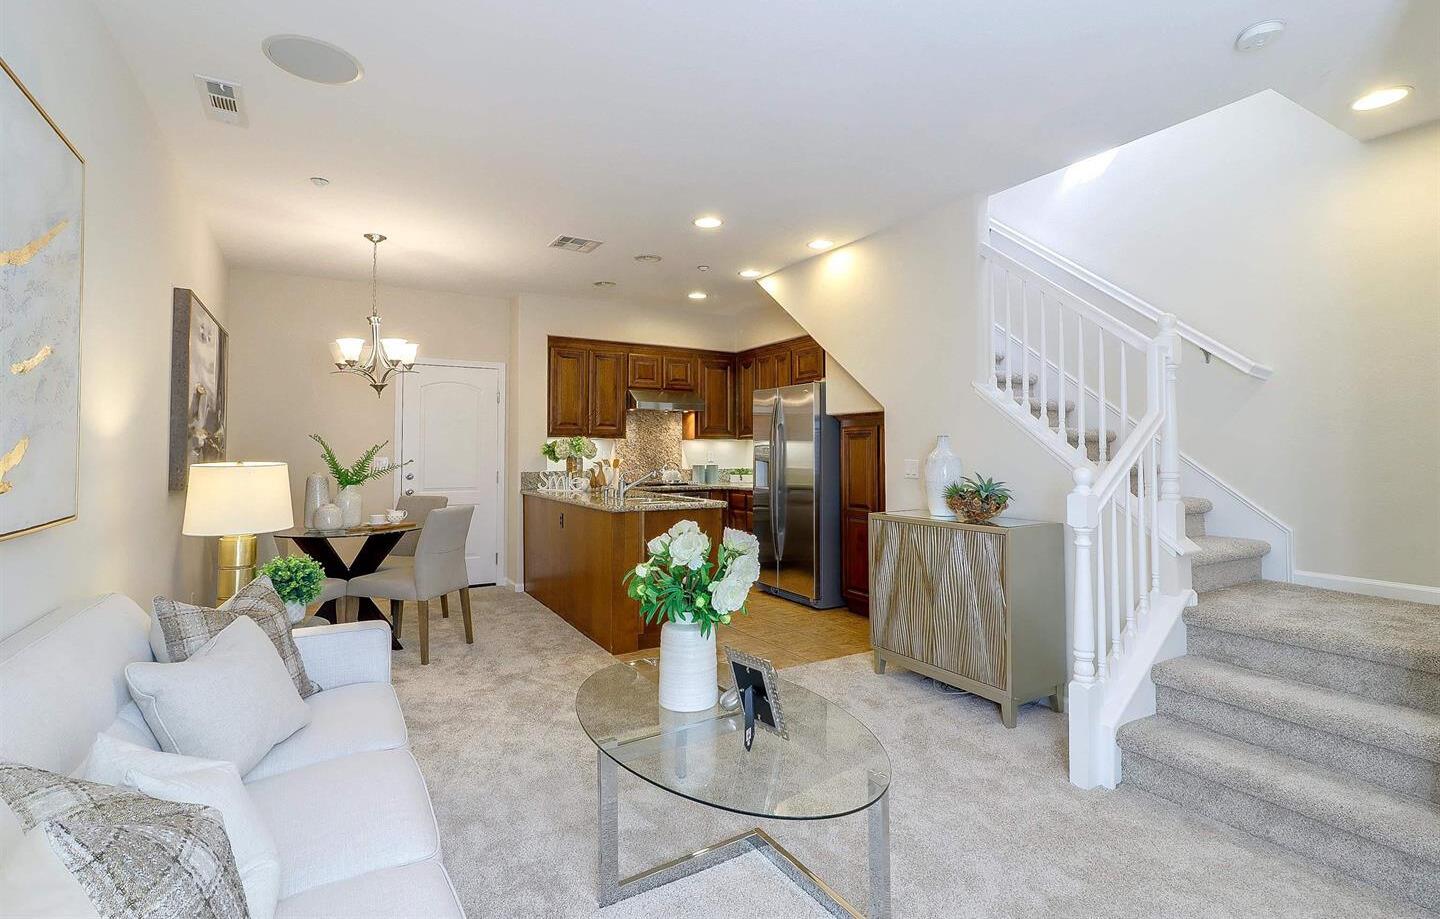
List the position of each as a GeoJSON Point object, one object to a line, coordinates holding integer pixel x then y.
{"type": "Point", "coordinates": [665, 400]}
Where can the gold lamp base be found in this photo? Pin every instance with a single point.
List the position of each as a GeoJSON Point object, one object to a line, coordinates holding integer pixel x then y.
{"type": "Point", "coordinates": [236, 565]}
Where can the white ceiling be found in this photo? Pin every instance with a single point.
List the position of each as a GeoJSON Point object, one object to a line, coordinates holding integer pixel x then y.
{"type": "Point", "coordinates": [481, 130]}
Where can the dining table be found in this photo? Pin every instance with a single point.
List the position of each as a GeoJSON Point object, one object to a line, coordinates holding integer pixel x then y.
{"type": "Point", "coordinates": [378, 540]}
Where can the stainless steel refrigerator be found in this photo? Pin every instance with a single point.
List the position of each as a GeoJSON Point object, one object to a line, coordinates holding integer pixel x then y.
{"type": "Point", "coordinates": [797, 494]}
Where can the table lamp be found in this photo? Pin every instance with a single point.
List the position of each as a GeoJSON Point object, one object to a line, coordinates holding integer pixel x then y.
{"type": "Point", "coordinates": [235, 501]}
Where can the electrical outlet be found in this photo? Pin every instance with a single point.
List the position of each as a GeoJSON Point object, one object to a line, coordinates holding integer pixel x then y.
{"type": "Point", "coordinates": [912, 469]}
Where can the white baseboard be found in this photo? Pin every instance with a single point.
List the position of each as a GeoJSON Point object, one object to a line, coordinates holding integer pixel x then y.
{"type": "Point", "coordinates": [1370, 587]}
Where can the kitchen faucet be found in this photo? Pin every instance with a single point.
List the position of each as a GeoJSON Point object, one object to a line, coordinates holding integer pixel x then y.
{"type": "Point", "coordinates": [622, 487]}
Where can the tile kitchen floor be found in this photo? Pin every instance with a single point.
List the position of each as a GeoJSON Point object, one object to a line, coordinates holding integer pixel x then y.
{"type": "Point", "coordinates": [788, 634]}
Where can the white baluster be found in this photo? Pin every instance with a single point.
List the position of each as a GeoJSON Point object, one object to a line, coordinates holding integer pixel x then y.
{"type": "Point", "coordinates": [1006, 383]}
{"type": "Point", "coordinates": [1143, 574]}
{"type": "Point", "coordinates": [1153, 465]}
{"type": "Point", "coordinates": [1104, 408]}
{"type": "Point", "coordinates": [1116, 649]}
{"type": "Point", "coordinates": [1060, 364]}
{"type": "Point", "coordinates": [1078, 514]}
{"type": "Point", "coordinates": [1080, 383]}
{"type": "Point", "coordinates": [1102, 610]}
{"type": "Point", "coordinates": [1123, 428]}
{"type": "Point", "coordinates": [985, 359]}
{"type": "Point", "coordinates": [1024, 346]}
{"type": "Point", "coordinates": [1044, 369]}
{"type": "Point", "coordinates": [1129, 555]}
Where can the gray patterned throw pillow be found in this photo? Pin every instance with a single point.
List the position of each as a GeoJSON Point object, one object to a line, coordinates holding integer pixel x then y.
{"type": "Point", "coordinates": [187, 628]}
{"type": "Point", "coordinates": [131, 855]}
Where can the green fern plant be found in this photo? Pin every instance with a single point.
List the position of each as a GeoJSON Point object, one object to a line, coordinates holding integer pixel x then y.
{"type": "Point", "coordinates": [358, 472]}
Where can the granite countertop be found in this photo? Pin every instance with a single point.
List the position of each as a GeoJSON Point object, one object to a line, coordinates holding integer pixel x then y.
{"type": "Point", "coordinates": [634, 502]}
{"type": "Point", "coordinates": [693, 486]}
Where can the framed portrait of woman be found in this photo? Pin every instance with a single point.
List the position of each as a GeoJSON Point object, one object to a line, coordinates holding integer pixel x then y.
{"type": "Point", "coordinates": [198, 365]}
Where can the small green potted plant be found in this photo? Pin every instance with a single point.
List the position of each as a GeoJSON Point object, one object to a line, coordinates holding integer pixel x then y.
{"type": "Point", "coordinates": [297, 579]}
{"type": "Point", "coordinates": [572, 451]}
{"type": "Point", "coordinates": [350, 478]}
{"type": "Point", "coordinates": [977, 499]}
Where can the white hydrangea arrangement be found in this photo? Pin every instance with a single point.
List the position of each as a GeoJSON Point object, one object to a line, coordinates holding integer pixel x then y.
{"type": "Point", "coordinates": [561, 450]}
{"type": "Point", "coordinates": [679, 583]}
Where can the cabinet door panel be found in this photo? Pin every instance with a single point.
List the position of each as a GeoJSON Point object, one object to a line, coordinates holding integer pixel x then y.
{"type": "Point", "coordinates": [680, 370]}
{"type": "Point", "coordinates": [862, 492]}
{"type": "Point", "coordinates": [717, 387]}
{"type": "Point", "coordinates": [569, 409]}
{"type": "Point", "coordinates": [607, 393]}
{"type": "Point", "coordinates": [745, 396]}
{"type": "Point", "coordinates": [644, 371]}
{"type": "Point", "coordinates": [807, 362]}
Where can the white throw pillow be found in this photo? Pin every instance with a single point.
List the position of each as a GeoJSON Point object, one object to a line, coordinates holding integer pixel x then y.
{"type": "Point", "coordinates": [192, 780]}
{"type": "Point", "coordinates": [233, 700]}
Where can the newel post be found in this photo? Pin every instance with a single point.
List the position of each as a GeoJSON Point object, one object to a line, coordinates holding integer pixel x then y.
{"type": "Point", "coordinates": [1170, 514]}
{"type": "Point", "coordinates": [1085, 693]}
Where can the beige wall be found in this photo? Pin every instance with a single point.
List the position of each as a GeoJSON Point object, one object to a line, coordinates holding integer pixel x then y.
{"type": "Point", "coordinates": [897, 309]}
{"type": "Point", "coordinates": [281, 385]}
{"type": "Point", "coordinates": [1284, 238]}
{"type": "Point", "coordinates": [142, 238]}
{"type": "Point", "coordinates": [768, 323]}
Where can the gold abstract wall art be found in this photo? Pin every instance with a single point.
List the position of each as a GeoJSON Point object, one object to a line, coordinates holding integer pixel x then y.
{"type": "Point", "coordinates": [42, 188]}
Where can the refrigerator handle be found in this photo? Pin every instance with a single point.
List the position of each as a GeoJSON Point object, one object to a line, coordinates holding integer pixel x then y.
{"type": "Point", "coordinates": [779, 488]}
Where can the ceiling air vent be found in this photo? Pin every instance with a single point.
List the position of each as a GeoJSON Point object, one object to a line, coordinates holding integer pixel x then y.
{"type": "Point", "coordinates": [223, 100]}
{"type": "Point", "coordinates": [575, 244]}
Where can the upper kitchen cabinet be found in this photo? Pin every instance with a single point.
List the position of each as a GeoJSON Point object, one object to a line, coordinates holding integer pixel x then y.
{"type": "Point", "coordinates": [717, 388]}
{"type": "Point", "coordinates": [681, 371]}
{"type": "Point", "coordinates": [744, 391]}
{"type": "Point", "coordinates": [645, 371]}
{"type": "Point", "coordinates": [569, 396]}
{"type": "Point", "coordinates": [807, 362]}
{"type": "Point", "coordinates": [608, 380]}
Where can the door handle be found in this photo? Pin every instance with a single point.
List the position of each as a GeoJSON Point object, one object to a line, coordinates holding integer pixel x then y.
{"type": "Point", "coordinates": [409, 491]}
{"type": "Point", "coordinates": [409, 476]}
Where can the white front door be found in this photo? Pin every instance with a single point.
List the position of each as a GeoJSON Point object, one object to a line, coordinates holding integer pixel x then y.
{"type": "Point", "coordinates": [450, 432]}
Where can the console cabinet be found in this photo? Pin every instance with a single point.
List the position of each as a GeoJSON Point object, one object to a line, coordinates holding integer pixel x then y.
{"type": "Point", "coordinates": [978, 606]}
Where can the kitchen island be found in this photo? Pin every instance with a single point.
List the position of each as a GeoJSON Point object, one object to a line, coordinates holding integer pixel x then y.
{"type": "Point", "coordinates": [579, 546]}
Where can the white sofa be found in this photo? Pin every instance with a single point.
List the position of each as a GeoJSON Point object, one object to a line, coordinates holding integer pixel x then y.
{"type": "Point", "coordinates": [343, 796]}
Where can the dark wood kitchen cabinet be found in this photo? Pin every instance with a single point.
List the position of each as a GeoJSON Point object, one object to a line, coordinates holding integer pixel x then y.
{"type": "Point", "coordinates": [744, 395]}
{"type": "Point", "coordinates": [862, 493]}
{"type": "Point", "coordinates": [644, 372]}
{"type": "Point", "coordinates": [807, 362]}
{"type": "Point", "coordinates": [569, 396]}
{"type": "Point", "coordinates": [717, 388]}
{"type": "Point", "coordinates": [607, 393]}
{"type": "Point", "coordinates": [681, 371]}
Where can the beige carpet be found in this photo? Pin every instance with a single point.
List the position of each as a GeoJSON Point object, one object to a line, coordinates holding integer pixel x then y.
{"type": "Point", "coordinates": [983, 820]}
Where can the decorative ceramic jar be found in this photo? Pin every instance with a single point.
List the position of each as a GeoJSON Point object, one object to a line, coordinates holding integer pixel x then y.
{"type": "Point", "coordinates": [688, 672]}
{"type": "Point", "coordinates": [317, 492]}
{"type": "Point", "coordinates": [295, 612]}
{"type": "Point", "coordinates": [327, 517]}
{"type": "Point", "coordinates": [350, 506]}
{"type": "Point", "coordinates": [942, 468]}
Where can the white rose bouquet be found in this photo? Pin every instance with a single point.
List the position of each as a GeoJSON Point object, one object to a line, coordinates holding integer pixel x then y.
{"type": "Point", "coordinates": [679, 583]}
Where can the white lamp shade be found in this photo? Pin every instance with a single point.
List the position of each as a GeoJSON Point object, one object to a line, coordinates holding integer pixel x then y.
{"type": "Point", "coordinates": [394, 348]}
{"type": "Point", "coordinates": [408, 355]}
{"type": "Point", "coordinates": [231, 499]}
{"type": "Point", "coordinates": [350, 348]}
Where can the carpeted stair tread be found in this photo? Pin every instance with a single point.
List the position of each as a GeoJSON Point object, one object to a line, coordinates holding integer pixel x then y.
{"type": "Point", "coordinates": [1344, 802]}
{"type": "Point", "coordinates": [1215, 550]}
{"type": "Point", "coordinates": [1393, 727]}
{"type": "Point", "coordinates": [1198, 505]}
{"type": "Point", "coordinates": [1051, 406]}
{"type": "Point", "coordinates": [1092, 436]}
{"type": "Point", "coordinates": [1392, 632]}
{"type": "Point", "coordinates": [1017, 381]}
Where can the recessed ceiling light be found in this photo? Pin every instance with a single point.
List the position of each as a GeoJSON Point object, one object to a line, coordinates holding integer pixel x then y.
{"type": "Point", "coordinates": [750, 274]}
{"type": "Point", "coordinates": [698, 295]}
{"type": "Point", "coordinates": [319, 181]}
{"type": "Point", "coordinates": [312, 59]}
{"type": "Point", "coordinates": [1259, 35]}
{"type": "Point", "coordinates": [820, 245]}
{"type": "Point", "coordinates": [647, 258]}
{"type": "Point", "coordinates": [1380, 98]}
{"type": "Point", "coordinates": [604, 283]}
{"type": "Point", "coordinates": [708, 222]}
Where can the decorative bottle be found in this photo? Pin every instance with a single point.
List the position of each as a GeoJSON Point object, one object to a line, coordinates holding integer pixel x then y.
{"type": "Point", "coordinates": [942, 469]}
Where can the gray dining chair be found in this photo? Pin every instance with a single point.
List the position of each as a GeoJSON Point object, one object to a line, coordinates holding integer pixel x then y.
{"type": "Point", "coordinates": [417, 508]}
{"type": "Point", "coordinates": [439, 568]}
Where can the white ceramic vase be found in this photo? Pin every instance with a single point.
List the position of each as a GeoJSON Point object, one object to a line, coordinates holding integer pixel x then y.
{"type": "Point", "coordinates": [317, 492]}
{"type": "Point", "coordinates": [295, 611]}
{"type": "Point", "coordinates": [688, 680]}
{"type": "Point", "coordinates": [350, 509]}
{"type": "Point", "coordinates": [942, 468]}
{"type": "Point", "coordinates": [327, 517]}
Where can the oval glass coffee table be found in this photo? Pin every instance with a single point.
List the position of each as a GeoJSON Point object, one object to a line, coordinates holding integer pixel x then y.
{"type": "Point", "coordinates": [829, 766]}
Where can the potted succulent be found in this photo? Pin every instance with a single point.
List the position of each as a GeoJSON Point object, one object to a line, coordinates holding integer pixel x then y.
{"type": "Point", "coordinates": [678, 584]}
{"type": "Point", "coordinates": [572, 451]}
{"type": "Point", "coordinates": [351, 477]}
{"type": "Point", "coordinates": [976, 499]}
{"type": "Point", "coordinates": [297, 579]}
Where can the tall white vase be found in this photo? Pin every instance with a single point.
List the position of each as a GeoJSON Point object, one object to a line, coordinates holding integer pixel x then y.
{"type": "Point", "coordinates": [350, 509]}
{"type": "Point", "coordinates": [942, 468]}
{"type": "Point", "coordinates": [317, 492]}
{"type": "Point", "coordinates": [687, 668]}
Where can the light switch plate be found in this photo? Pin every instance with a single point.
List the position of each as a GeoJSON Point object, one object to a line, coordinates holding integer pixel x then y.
{"type": "Point", "coordinates": [912, 469]}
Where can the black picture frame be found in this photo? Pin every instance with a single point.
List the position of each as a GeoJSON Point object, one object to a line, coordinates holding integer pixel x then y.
{"type": "Point", "coordinates": [756, 673]}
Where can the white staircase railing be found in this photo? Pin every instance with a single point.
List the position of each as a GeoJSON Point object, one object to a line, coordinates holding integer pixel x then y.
{"type": "Point", "coordinates": [1067, 372]}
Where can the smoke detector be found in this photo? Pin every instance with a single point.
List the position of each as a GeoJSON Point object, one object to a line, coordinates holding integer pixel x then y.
{"type": "Point", "coordinates": [223, 100]}
{"type": "Point", "coordinates": [575, 244]}
{"type": "Point", "coordinates": [1259, 35]}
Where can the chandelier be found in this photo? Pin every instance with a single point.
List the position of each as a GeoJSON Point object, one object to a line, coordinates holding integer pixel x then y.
{"type": "Point", "coordinates": [379, 358]}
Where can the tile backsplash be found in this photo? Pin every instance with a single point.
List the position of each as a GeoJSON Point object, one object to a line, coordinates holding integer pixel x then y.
{"type": "Point", "coordinates": [652, 439]}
